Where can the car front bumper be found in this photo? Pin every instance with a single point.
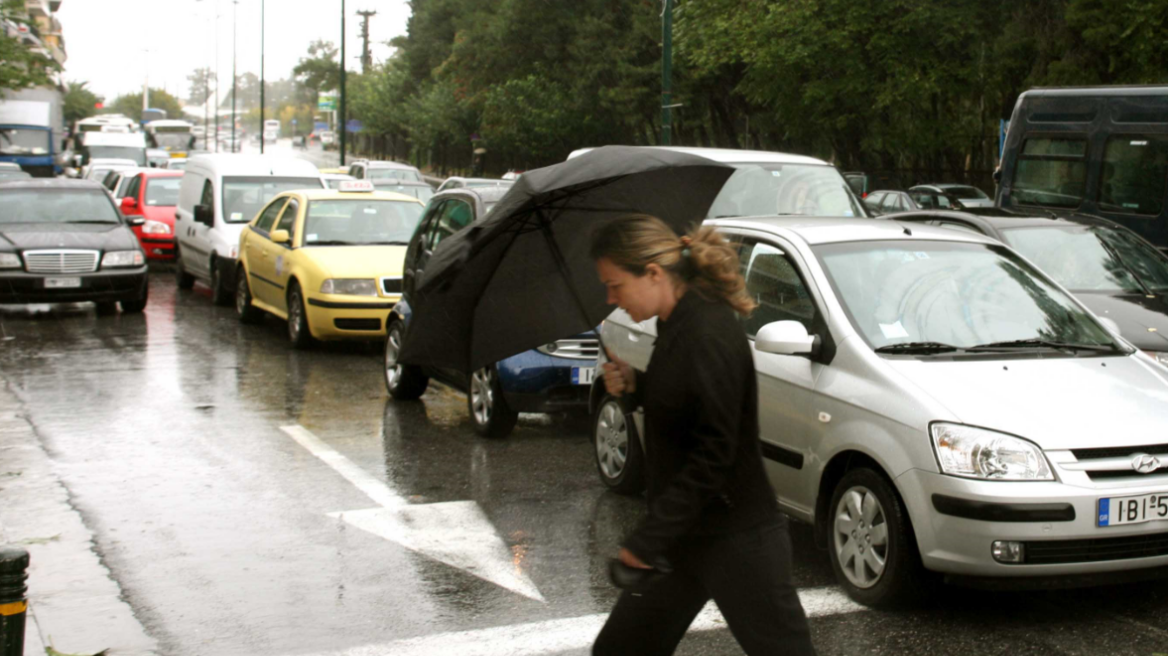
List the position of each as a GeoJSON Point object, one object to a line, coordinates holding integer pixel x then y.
{"type": "Point", "coordinates": [158, 247]}
{"type": "Point", "coordinates": [109, 285]}
{"type": "Point", "coordinates": [349, 317]}
{"type": "Point", "coordinates": [536, 382]}
{"type": "Point", "coordinates": [957, 520]}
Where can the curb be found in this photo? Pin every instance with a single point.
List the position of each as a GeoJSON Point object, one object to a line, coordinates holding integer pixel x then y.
{"type": "Point", "coordinates": [75, 606]}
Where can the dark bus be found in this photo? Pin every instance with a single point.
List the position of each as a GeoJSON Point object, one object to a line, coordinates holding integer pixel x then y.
{"type": "Point", "coordinates": [1093, 150]}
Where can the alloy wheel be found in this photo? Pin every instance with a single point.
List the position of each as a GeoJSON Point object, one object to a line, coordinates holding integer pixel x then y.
{"type": "Point", "coordinates": [393, 370]}
{"type": "Point", "coordinates": [612, 440]}
{"type": "Point", "coordinates": [860, 537]}
{"type": "Point", "coordinates": [294, 311]}
{"type": "Point", "coordinates": [482, 395]}
{"type": "Point", "coordinates": [241, 299]}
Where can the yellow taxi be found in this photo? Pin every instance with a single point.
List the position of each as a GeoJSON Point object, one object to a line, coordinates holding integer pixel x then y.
{"type": "Point", "coordinates": [329, 262]}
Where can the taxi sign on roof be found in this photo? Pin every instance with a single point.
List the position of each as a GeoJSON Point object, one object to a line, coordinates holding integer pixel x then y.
{"type": "Point", "coordinates": [355, 185]}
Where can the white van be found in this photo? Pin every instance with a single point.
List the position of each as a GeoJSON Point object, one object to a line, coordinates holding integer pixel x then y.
{"type": "Point", "coordinates": [219, 195]}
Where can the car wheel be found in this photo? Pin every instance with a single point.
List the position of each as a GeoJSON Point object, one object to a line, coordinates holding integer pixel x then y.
{"type": "Point", "coordinates": [219, 294]}
{"type": "Point", "coordinates": [246, 312]}
{"type": "Point", "coordinates": [618, 448]}
{"type": "Point", "coordinates": [183, 279]}
{"type": "Point", "coordinates": [136, 307]}
{"type": "Point", "coordinates": [488, 409]}
{"type": "Point", "coordinates": [404, 382]}
{"type": "Point", "coordinates": [872, 546]}
{"type": "Point", "coordinates": [298, 331]}
{"type": "Point", "coordinates": [106, 308]}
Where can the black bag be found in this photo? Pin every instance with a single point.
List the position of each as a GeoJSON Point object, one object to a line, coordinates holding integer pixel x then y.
{"type": "Point", "coordinates": [633, 579]}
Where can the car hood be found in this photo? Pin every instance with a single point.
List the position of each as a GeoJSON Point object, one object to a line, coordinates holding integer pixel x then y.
{"type": "Point", "coordinates": [1142, 320]}
{"type": "Point", "coordinates": [1059, 403]}
{"type": "Point", "coordinates": [357, 261]}
{"type": "Point", "coordinates": [33, 236]}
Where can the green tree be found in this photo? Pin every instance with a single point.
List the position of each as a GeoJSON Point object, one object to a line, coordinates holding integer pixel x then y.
{"type": "Point", "coordinates": [319, 71]}
{"type": "Point", "coordinates": [202, 81]}
{"type": "Point", "coordinates": [79, 102]}
{"type": "Point", "coordinates": [131, 104]}
{"type": "Point", "coordinates": [20, 67]}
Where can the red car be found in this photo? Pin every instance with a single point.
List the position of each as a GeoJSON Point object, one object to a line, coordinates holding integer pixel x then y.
{"type": "Point", "coordinates": [153, 195]}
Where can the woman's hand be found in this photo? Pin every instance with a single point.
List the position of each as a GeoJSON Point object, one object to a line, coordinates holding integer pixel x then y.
{"type": "Point", "coordinates": [618, 376]}
{"type": "Point", "coordinates": [629, 559]}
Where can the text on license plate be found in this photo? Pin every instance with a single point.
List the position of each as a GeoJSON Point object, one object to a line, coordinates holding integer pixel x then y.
{"type": "Point", "coordinates": [1133, 510]}
{"type": "Point", "coordinates": [582, 375]}
{"type": "Point", "coordinates": [62, 283]}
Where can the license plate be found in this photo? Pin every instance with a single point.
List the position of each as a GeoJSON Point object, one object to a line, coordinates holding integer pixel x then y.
{"type": "Point", "coordinates": [62, 283]}
{"type": "Point", "coordinates": [1122, 511]}
{"type": "Point", "coordinates": [582, 375]}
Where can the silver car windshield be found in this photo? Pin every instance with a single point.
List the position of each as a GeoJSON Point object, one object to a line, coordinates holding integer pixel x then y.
{"type": "Point", "coordinates": [1088, 258]}
{"type": "Point", "coordinates": [951, 293]}
{"type": "Point", "coordinates": [786, 190]}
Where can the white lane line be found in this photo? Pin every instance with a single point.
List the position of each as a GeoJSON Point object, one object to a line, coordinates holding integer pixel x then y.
{"type": "Point", "coordinates": [363, 480]}
{"type": "Point", "coordinates": [455, 533]}
{"type": "Point", "coordinates": [554, 636]}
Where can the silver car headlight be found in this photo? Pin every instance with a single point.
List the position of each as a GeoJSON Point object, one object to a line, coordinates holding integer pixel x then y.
{"type": "Point", "coordinates": [349, 286]}
{"type": "Point", "coordinates": [9, 261]}
{"type": "Point", "coordinates": [155, 228]}
{"type": "Point", "coordinates": [989, 455]}
{"type": "Point", "coordinates": [122, 259]}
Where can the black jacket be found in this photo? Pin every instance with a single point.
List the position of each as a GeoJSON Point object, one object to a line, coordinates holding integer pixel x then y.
{"type": "Point", "coordinates": [704, 465]}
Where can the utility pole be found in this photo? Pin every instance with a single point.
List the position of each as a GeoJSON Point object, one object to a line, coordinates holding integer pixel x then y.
{"type": "Point", "coordinates": [216, 75]}
{"type": "Point", "coordinates": [344, 118]}
{"type": "Point", "coordinates": [366, 56]}
{"type": "Point", "coordinates": [666, 73]}
{"type": "Point", "coordinates": [234, 6]}
{"type": "Point", "coordinates": [262, 117]}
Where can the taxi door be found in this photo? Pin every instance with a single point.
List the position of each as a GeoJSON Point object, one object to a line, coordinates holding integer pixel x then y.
{"type": "Point", "coordinates": [254, 240]}
{"type": "Point", "coordinates": [280, 255]}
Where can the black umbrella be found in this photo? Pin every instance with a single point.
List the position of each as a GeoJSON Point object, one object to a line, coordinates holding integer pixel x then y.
{"type": "Point", "coordinates": [523, 277]}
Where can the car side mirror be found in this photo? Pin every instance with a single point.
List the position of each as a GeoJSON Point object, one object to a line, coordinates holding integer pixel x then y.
{"type": "Point", "coordinates": [77, 159]}
{"type": "Point", "coordinates": [786, 338]}
{"type": "Point", "coordinates": [129, 203]}
{"type": "Point", "coordinates": [280, 237]}
{"type": "Point", "coordinates": [204, 215]}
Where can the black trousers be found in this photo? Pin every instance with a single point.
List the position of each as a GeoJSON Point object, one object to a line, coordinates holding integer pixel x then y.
{"type": "Point", "coordinates": [747, 574]}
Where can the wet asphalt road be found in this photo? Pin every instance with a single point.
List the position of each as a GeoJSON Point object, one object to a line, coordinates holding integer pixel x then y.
{"type": "Point", "coordinates": [166, 429]}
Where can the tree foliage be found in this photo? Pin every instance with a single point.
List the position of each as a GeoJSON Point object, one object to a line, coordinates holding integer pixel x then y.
{"type": "Point", "coordinates": [79, 102]}
{"type": "Point", "coordinates": [20, 66]}
{"type": "Point", "coordinates": [202, 81]}
{"type": "Point", "coordinates": [130, 104]}
{"type": "Point", "coordinates": [912, 85]}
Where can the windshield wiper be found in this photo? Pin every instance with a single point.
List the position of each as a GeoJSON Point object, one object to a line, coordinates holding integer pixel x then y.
{"type": "Point", "coordinates": [330, 242]}
{"type": "Point", "coordinates": [918, 347]}
{"type": "Point", "coordinates": [386, 243]}
{"type": "Point", "coordinates": [94, 221]}
{"type": "Point", "coordinates": [1044, 343]}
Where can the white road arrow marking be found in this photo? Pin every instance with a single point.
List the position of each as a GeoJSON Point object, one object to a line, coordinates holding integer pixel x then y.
{"type": "Point", "coordinates": [456, 533]}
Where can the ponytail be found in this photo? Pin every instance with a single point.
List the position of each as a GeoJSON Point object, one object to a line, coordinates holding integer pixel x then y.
{"type": "Point", "coordinates": [701, 258]}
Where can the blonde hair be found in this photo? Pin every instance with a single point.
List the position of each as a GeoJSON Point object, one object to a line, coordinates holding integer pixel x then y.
{"type": "Point", "coordinates": [701, 258]}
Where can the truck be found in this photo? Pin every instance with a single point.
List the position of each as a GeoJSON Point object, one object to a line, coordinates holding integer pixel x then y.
{"type": "Point", "coordinates": [32, 129]}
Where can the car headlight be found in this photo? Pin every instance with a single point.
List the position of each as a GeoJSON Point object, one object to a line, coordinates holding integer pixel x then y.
{"type": "Point", "coordinates": [9, 261]}
{"type": "Point", "coordinates": [122, 259]}
{"type": "Point", "coordinates": [351, 287]}
{"type": "Point", "coordinates": [979, 453]}
{"type": "Point", "coordinates": [155, 228]}
{"type": "Point", "coordinates": [1158, 356]}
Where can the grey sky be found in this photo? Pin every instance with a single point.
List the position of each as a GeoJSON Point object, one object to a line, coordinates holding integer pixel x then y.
{"type": "Point", "coordinates": [107, 39]}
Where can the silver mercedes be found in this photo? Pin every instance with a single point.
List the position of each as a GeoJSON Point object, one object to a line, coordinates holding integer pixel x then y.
{"type": "Point", "coordinates": [935, 406]}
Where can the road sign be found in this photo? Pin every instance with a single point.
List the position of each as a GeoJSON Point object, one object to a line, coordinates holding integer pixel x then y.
{"type": "Point", "coordinates": [327, 101]}
{"type": "Point", "coordinates": [293, 122]}
{"type": "Point", "coordinates": [353, 125]}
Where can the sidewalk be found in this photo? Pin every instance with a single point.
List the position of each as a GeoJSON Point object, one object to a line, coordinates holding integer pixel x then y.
{"type": "Point", "coordinates": [75, 607]}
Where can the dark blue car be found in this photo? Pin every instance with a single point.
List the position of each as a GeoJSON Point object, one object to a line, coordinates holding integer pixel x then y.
{"type": "Point", "coordinates": [555, 377]}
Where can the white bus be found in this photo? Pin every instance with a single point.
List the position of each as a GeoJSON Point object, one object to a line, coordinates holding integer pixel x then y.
{"type": "Point", "coordinates": [271, 130]}
{"type": "Point", "coordinates": [171, 135]}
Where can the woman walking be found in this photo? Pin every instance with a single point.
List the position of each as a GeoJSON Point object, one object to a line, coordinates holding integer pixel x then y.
{"type": "Point", "coordinates": [713, 521]}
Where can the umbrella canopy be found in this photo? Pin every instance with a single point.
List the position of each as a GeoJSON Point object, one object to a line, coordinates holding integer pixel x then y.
{"type": "Point", "coordinates": [522, 277]}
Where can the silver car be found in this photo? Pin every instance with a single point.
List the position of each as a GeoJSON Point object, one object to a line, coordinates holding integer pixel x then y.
{"type": "Point", "coordinates": [934, 404]}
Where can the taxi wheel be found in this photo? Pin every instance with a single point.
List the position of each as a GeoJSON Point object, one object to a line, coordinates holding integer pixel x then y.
{"type": "Point", "coordinates": [298, 331]}
{"type": "Point", "coordinates": [246, 312]}
{"type": "Point", "coordinates": [488, 409]}
{"type": "Point", "coordinates": [871, 542]}
{"type": "Point", "coordinates": [404, 382]}
{"type": "Point", "coordinates": [219, 293]}
{"type": "Point", "coordinates": [183, 279]}
{"type": "Point", "coordinates": [618, 448]}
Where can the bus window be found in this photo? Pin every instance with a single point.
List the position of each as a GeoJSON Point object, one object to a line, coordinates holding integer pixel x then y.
{"type": "Point", "coordinates": [1135, 171]}
{"type": "Point", "coordinates": [1051, 171]}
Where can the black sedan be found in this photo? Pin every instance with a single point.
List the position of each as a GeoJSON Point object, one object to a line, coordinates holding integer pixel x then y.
{"type": "Point", "coordinates": [64, 241]}
{"type": "Point", "coordinates": [1110, 269]}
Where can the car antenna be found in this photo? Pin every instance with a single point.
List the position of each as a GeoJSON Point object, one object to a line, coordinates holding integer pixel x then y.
{"type": "Point", "coordinates": [907, 231]}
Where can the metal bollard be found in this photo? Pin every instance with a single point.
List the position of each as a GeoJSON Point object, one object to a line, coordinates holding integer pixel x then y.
{"type": "Point", "coordinates": [13, 604]}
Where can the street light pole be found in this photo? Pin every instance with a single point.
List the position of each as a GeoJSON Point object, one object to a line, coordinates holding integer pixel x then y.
{"type": "Point", "coordinates": [666, 73]}
{"type": "Point", "coordinates": [262, 116]}
{"type": "Point", "coordinates": [216, 75]}
{"type": "Point", "coordinates": [343, 121]}
{"type": "Point", "coordinates": [234, 5]}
